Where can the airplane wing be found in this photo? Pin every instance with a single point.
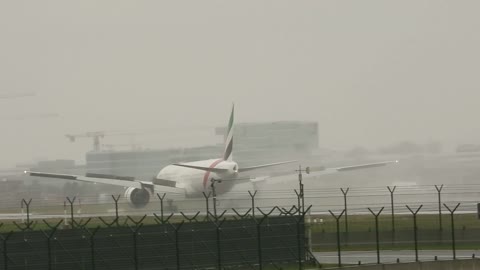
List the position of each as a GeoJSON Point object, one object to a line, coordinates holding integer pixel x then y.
{"type": "Point", "coordinates": [123, 181]}
{"type": "Point", "coordinates": [356, 167]}
{"type": "Point", "coordinates": [319, 171]}
{"type": "Point", "coordinates": [264, 166]}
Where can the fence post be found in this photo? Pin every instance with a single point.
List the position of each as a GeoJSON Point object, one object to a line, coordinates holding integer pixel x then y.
{"type": "Point", "coordinates": [392, 206]}
{"type": "Point", "coordinates": [301, 217]}
{"type": "Point", "coordinates": [27, 205]}
{"type": "Point", "coordinates": [72, 222]}
{"type": "Point", "coordinates": [453, 227]}
{"type": "Point", "coordinates": [345, 192]}
{"type": "Point", "coordinates": [5, 253]}
{"type": "Point", "coordinates": [116, 199]}
{"type": "Point", "coordinates": [207, 208]}
{"type": "Point", "coordinates": [65, 213]}
{"type": "Point", "coordinates": [135, 230]}
{"type": "Point", "coordinates": [299, 200]}
{"type": "Point", "coordinates": [299, 243]}
{"type": "Point", "coordinates": [177, 247]}
{"type": "Point", "coordinates": [29, 225]}
{"type": "Point", "coordinates": [49, 237]}
{"type": "Point", "coordinates": [161, 204]}
{"type": "Point", "coordinates": [92, 245]}
{"type": "Point", "coordinates": [135, 254]}
{"type": "Point", "coordinates": [376, 231]}
{"type": "Point", "coordinates": [252, 196]}
{"type": "Point", "coordinates": [414, 213]}
{"type": "Point", "coordinates": [219, 248]}
{"type": "Point", "coordinates": [259, 243]}
{"type": "Point", "coordinates": [337, 220]}
{"type": "Point", "coordinates": [439, 191]}
{"type": "Point", "coordinates": [259, 235]}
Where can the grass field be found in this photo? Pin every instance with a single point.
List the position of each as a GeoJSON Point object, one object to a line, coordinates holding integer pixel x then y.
{"type": "Point", "coordinates": [361, 234]}
{"type": "Point", "coordinates": [363, 223]}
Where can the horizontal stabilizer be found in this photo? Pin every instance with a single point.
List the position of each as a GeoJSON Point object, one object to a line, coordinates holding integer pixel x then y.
{"type": "Point", "coordinates": [264, 166]}
{"type": "Point", "coordinates": [207, 169]}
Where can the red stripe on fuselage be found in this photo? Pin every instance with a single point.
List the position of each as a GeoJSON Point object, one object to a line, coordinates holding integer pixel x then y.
{"type": "Point", "coordinates": [207, 173]}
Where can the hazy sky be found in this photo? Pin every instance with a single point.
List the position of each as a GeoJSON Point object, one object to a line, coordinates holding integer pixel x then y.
{"type": "Point", "coordinates": [370, 72]}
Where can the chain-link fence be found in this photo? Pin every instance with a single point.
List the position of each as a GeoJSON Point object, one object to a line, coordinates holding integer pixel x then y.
{"type": "Point", "coordinates": [249, 243]}
{"type": "Point", "coordinates": [247, 237]}
{"type": "Point", "coordinates": [251, 240]}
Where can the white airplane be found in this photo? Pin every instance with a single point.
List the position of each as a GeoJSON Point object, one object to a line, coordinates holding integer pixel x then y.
{"type": "Point", "coordinates": [193, 178]}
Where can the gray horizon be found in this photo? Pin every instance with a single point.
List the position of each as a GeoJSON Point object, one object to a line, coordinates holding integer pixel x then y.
{"type": "Point", "coordinates": [371, 73]}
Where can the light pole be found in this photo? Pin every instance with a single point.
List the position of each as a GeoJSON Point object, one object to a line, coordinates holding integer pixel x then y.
{"type": "Point", "coordinates": [214, 193]}
{"type": "Point", "coordinates": [301, 195]}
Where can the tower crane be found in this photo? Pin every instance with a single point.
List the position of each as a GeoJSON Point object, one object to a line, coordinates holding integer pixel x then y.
{"type": "Point", "coordinates": [96, 135]}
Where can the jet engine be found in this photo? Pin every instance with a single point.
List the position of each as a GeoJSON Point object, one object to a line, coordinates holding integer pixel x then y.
{"type": "Point", "coordinates": [137, 197]}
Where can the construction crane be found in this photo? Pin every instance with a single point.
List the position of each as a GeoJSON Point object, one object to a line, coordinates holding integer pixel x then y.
{"type": "Point", "coordinates": [97, 135]}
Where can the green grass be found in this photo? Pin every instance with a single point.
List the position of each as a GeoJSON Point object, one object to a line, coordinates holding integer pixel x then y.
{"type": "Point", "coordinates": [362, 232]}
{"type": "Point", "coordinates": [365, 223]}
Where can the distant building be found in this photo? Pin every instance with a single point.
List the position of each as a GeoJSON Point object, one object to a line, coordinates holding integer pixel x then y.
{"type": "Point", "coordinates": [145, 164]}
{"type": "Point", "coordinates": [254, 143]}
{"type": "Point", "coordinates": [59, 165]}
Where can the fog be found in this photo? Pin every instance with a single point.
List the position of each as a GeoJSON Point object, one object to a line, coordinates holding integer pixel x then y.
{"type": "Point", "coordinates": [371, 73]}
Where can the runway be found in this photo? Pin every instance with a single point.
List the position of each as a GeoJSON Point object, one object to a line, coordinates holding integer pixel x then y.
{"type": "Point", "coordinates": [390, 256]}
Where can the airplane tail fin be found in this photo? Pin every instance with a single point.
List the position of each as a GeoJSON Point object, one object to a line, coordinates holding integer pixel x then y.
{"type": "Point", "coordinates": [227, 154]}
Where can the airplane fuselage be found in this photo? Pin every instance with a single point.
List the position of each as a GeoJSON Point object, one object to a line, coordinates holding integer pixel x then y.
{"type": "Point", "coordinates": [196, 181]}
